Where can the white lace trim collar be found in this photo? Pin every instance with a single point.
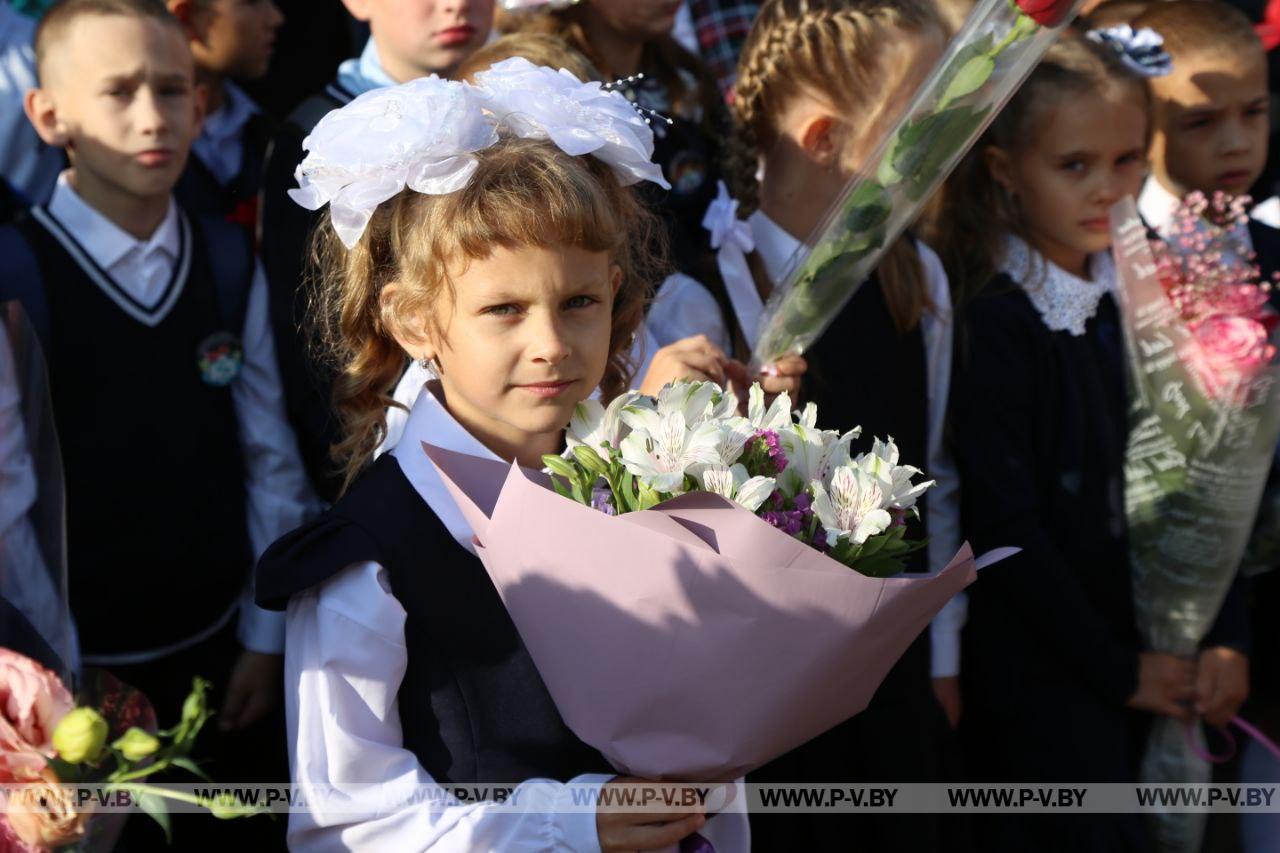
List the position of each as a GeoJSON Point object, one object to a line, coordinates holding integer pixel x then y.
{"type": "Point", "coordinates": [1065, 302]}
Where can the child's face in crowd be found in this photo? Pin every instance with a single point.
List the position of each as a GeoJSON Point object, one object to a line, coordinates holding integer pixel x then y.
{"type": "Point", "coordinates": [1086, 154]}
{"type": "Point", "coordinates": [644, 19]}
{"type": "Point", "coordinates": [527, 338]}
{"type": "Point", "coordinates": [1211, 122]}
{"type": "Point", "coordinates": [235, 38]}
{"type": "Point", "coordinates": [118, 92]}
{"type": "Point", "coordinates": [416, 38]}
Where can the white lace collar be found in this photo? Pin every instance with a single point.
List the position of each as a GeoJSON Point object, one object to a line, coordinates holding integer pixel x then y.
{"type": "Point", "coordinates": [1065, 302]}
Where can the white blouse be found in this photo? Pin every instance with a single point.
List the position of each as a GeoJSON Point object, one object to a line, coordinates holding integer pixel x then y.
{"type": "Point", "coordinates": [345, 657]}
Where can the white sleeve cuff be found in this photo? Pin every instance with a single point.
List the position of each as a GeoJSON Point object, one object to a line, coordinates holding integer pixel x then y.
{"type": "Point", "coordinates": [260, 630]}
{"type": "Point", "coordinates": [576, 828]}
{"type": "Point", "coordinates": [944, 637]}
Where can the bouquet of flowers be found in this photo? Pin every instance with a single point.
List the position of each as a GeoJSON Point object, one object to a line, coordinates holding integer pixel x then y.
{"type": "Point", "coordinates": [1204, 419]}
{"type": "Point", "coordinates": [1000, 43]}
{"type": "Point", "coordinates": [642, 450]}
{"type": "Point", "coordinates": [1209, 277]}
{"type": "Point", "coordinates": [680, 597]}
{"type": "Point", "coordinates": [110, 740]}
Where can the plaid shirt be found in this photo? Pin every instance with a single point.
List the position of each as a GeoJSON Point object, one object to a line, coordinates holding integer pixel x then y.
{"type": "Point", "coordinates": [722, 27]}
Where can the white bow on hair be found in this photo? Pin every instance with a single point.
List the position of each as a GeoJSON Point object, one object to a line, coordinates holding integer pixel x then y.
{"type": "Point", "coordinates": [732, 239]}
{"type": "Point", "coordinates": [424, 135]}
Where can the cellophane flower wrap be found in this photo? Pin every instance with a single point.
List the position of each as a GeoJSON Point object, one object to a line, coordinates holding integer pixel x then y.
{"type": "Point", "coordinates": [687, 637]}
{"type": "Point", "coordinates": [1203, 423]}
{"type": "Point", "coordinates": [1001, 41]}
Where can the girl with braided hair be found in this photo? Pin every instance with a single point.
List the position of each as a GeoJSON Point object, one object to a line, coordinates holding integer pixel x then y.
{"type": "Point", "coordinates": [820, 83]}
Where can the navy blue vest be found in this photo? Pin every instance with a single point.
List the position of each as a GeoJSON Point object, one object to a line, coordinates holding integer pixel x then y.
{"type": "Point", "coordinates": [472, 705]}
{"type": "Point", "coordinates": [158, 545]}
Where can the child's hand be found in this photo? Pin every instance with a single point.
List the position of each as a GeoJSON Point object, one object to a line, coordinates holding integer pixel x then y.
{"type": "Point", "coordinates": [625, 831]}
{"type": "Point", "coordinates": [253, 688]}
{"type": "Point", "coordinates": [1165, 685]}
{"type": "Point", "coordinates": [691, 358]}
{"type": "Point", "coordinates": [783, 375]}
{"type": "Point", "coordinates": [1222, 684]}
{"type": "Point", "coordinates": [947, 691]}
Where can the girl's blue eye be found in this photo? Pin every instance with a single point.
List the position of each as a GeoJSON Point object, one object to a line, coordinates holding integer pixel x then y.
{"type": "Point", "coordinates": [1073, 166]}
{"type": "Point", "coordinates": [581, 301]}
{"type": "Point", "coordinates": [502, 310]}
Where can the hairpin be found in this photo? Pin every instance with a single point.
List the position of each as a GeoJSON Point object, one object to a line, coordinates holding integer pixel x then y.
{"type": "Point", "coordinates": [645, 113]}
{"type": "Point", "coordinates": [1141, 51]}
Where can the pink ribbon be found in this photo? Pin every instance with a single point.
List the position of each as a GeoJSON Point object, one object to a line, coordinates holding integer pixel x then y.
{"type": "Point", "coordinates": [1218, 758]}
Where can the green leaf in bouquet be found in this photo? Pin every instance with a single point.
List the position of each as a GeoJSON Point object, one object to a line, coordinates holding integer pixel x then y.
{"type": "Point", "coordinates": [874, 544]}
{"type": "Point", "coordinates": [867, 208]}
{"type": "Point", "coordinates": [969, 78]}
{"type": "Point", "coordinates": [926, 145]}
{"type": "Point", "coordinates": [195, 713]}
{"type": "Point", "coordinates": [964, 69]}
{"type": "Point", "coordinates": [190, 766]}
{"type": "Point", "coordinates": [878, 566]}
{"type": "Point", "coordinates": [153, 805]}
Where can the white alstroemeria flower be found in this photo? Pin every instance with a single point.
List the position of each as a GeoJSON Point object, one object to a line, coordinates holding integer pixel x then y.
{"type": "Point", "coordinates": [689, 398]}
{"type": "Point", "coordinates": [812, 454]}
{"type": "Point", "coordinates": [852, 508]}
{"type": "Point", "coordinates": [808, 417]}
{"type": "Point", "coordinates": [596, 426]}
{"type": "Point", "coordinates": [662, 448]}
{"type": "Point", "coordinates": [734, 484]}
{"type": "Point", "coordinates": [725, 405]}
{"type": "Point", "coordinates": [881, 462]}
{"type": "Point", "coordinates": [776, 417]}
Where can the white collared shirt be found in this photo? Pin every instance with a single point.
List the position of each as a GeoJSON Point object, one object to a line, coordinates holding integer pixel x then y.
{"type": "Point", "coordinates": [777, 250]}
{"type": "Point", "coordinates": [220, 145]}
{"type": "Point", "coordinates": [30, 166]}
{"type": "Point", "coordinates": [345, 658]}
{"type": "Point", "coordinates": [151, 272]}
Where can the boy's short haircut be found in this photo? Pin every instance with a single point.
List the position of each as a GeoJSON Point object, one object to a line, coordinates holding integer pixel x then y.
{"type": "Point", "coordinates": [1113, 13]}
{"type": "Point", "coordinates": [1200, 26]}
{"type": "Point", "coordinates": [53, 25]}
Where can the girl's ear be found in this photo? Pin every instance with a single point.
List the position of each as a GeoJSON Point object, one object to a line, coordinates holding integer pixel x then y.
{"type": "Point", "coordinates": [999, 166]}
{"type": "Point", "coordinates": [413, 334]}
{"type": "Point", "coordinates": [615, 279]}
{"type": "Point", "coordinates": [818, 140]}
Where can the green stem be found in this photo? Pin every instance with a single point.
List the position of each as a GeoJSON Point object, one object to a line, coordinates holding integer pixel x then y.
{"type": "Point", "coordinates": [139, 773]}
{"type": "Point", "coordinates": [181, 796]}
{"type": "Point", "coordinates": [1016, 33]}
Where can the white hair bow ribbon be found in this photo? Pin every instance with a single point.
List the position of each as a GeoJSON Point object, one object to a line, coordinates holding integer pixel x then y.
{"type": "Point", "coordinates": [732, 239]}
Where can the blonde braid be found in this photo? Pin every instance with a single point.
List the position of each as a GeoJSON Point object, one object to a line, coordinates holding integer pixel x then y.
{"type": "Point", "coordinates": [845, 52]}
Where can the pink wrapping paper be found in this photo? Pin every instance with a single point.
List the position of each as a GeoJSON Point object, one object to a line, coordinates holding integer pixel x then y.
{"type": "Point", "coordinates": [692, 641]}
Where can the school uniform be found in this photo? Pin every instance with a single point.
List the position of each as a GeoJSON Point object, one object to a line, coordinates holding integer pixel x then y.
{"type": "Point", "coordinates": [224, 171]}
{"type": "Point", "coordinates": [1040, 412]}
{"type": "Point", "coordinates": [285, 228]}
{"type": "Point", "coordinates": [180, 466]}
{"type": "Point", "coordinates": [403, 669]}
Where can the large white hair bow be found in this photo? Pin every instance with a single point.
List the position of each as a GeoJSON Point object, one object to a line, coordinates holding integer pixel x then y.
{"type": "Point", "coordinates": [424, 134]}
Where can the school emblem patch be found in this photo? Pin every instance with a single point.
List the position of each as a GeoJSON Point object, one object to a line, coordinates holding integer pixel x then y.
{"type": "Point", "coordinates": [221, 358]}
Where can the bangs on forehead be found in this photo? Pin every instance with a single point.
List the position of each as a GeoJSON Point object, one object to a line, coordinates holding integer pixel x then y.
{"type": "Point", "coordinates": [514, 200]}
